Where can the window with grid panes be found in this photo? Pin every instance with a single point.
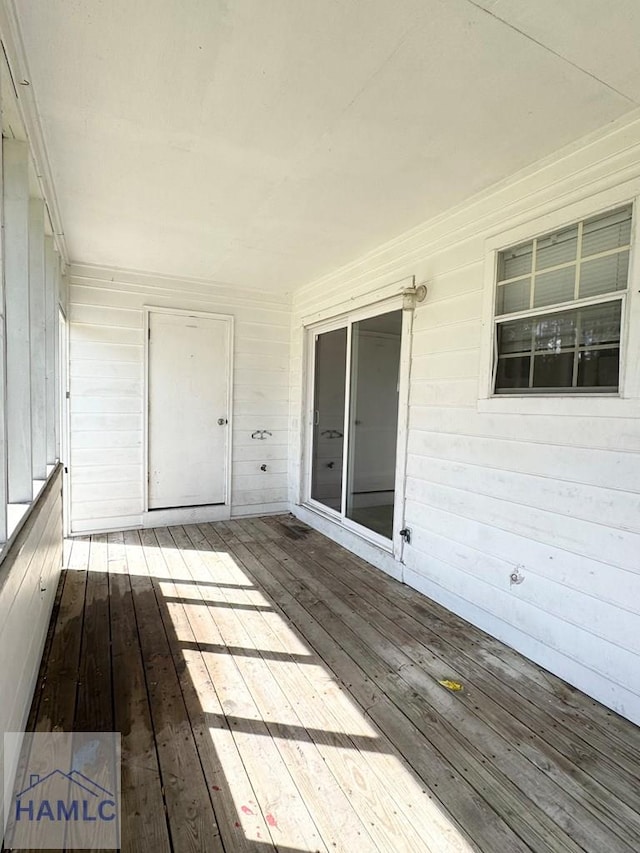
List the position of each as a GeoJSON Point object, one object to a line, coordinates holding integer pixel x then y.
{"type": "Point", "coordinates": [559, 306]}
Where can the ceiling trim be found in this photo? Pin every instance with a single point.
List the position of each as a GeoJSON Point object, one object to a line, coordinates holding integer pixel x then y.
{"type": "Point", "coordinates": [29, 115]}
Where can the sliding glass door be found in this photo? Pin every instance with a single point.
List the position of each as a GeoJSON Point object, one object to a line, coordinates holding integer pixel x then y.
{"type": "Point", "coordinates": [373, 428]}
{"type": "Point", "coordinates": [328, 418]}
{"type": "Point", "coordinates": [355, 421]}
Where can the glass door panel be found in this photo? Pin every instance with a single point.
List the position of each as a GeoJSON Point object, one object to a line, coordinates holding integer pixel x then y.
{"type": "Point", "coordinates": [328, 418]}
{"type": "Point", "coordinates": [373, 421]}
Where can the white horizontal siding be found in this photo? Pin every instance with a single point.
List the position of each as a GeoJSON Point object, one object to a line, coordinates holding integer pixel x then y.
{"type": "Point", "coordinates": [106, 313]}
{"type": "Point", "coordinates": [562, 465]}
{"type": "Point", "coordinates": [549, 486]}
{"type": "Point", "coordinates": [590, 431]}
{"type": "Point", "coordinates": [607, 544]}
{"type": "Point", "coordinates": [29, 576]}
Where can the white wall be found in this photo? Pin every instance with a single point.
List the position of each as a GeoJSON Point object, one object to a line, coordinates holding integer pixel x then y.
{"type": "Point", "coordinates": [550, 486]}
{"type": "Point", "coordinates": [28, 583]}
{"type": "Point", "coordinates": [107, 393]}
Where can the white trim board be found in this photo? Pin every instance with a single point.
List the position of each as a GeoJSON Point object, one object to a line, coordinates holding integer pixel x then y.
{"type": "Point", "coordinates": [185, 515]}
{"type": "Point", "coordinates": [26, 110]}
{"type": "Point", "coordinates": [364, 303]}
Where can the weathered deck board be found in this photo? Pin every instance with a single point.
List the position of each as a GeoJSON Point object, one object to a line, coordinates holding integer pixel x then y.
{"type": "Point", "coordinates": [315, 757]}
{"type": "Point", "coordinates": [59, 682]}
{"type": "Point", "coordinates": [191, 819]}
{"type": "Point", "coordinates": [276, 692]}
{"type": "Point", "coordinates": [583, 807]}
{"type": "Point", "coordinates": [276, 791]}
{"type": "Point", "coordinates": [143, 814]}
{"type": "Point", "coordinates": [408, 797]}
{"type": "Point", "coordinates": [595, 755]}
{"type": "Point", "coordinates": [459, 764]}
{"type": "Point", "coordinates": [94, 703]}
{"type": "Point", "coordinates": [601, 727]}
{"type": "Point", "coordinates": [221, 759]}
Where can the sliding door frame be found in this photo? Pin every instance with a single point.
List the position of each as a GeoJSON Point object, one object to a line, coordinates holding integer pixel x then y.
{"type": "Point", "coordinates": [347, 320]}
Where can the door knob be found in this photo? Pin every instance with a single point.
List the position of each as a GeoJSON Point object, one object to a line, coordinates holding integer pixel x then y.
{"type": "Point", "coordinates": [222, 421]}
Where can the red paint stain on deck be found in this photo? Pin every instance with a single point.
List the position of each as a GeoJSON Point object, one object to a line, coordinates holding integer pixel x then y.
{"type": "Point", "coordinates": [272, 821]}
{"type": "Point", "coordinates": [246, 810]}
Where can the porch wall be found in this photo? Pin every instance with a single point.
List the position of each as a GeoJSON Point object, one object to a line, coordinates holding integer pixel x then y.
{"type": "Point", "coordinates": [107, 471]}
{"type": "Point", "coordinates": [554, 493]}
{"type": "Point", "coordinates": [28, 582]}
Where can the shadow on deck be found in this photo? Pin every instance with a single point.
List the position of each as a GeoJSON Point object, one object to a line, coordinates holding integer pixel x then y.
{"type": "Point", "coordinates": [275, 692]}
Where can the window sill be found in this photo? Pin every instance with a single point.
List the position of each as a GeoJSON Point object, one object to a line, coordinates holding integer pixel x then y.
{"type": "Point", "coordinates": [15, 516]}
{"type": "Point", "coordinates": [17, 512]}
{"type": "Point", "coordinates": [586, 405]}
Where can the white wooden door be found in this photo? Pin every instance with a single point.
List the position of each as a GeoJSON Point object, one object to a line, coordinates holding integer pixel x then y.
{"type": "Point", "coordinates": [188, 394]}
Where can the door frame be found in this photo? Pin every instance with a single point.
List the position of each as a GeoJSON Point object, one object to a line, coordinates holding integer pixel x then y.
{"type": "Point", "coordinates": [311, 330]}
{"type": "Point", "coordinates": [63, 417]}
{"type": "Point", "coordinates": [186, 312]}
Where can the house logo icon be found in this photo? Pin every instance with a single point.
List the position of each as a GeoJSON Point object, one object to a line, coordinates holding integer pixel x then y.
{"type": "Point", "coordinates": [64, 797]}
{"type": "Point", "coordinates": [66, 791]}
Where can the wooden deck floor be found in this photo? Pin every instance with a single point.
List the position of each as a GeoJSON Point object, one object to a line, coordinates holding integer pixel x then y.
{"type": "Point", "coordinates": [275, 692]}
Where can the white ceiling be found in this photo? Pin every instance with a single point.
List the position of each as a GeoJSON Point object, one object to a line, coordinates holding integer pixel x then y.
{"type": "Point", "coordinates": [263, 143]}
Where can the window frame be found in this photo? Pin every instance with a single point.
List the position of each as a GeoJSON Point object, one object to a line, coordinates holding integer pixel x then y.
{"type": "Point", "coordinates": [589, 401]}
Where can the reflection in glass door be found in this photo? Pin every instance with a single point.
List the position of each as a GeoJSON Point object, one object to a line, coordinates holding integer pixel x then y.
{"type": "Point", "coordinates": [328, 418]}
{"type": "Point", "coordinates": [373, 421]}
{"type": "Point", "coordinates": [368, 353]}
